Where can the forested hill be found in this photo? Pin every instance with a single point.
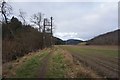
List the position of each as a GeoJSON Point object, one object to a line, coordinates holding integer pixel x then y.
{"type": "Point", "coordinates": [59, 41]}
{"type": "Point", "coordinates": [110, 38]}
{"type": "Point", "coordinates": [73, 41]}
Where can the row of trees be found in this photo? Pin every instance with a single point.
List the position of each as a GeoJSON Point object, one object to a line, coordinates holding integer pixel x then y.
{"type": "Point", "coordinates": [19, 37]}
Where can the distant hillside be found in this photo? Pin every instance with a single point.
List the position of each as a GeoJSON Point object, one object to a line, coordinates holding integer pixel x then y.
{"type": "Point", "coordinates": [58, 41]}
{"type": "Point", "coordinates": [73, 42]}
{"type": "Point", "coordinates": [110, 38]}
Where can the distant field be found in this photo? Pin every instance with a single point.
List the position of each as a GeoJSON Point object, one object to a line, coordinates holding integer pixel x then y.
{"type": "Point", "coordinates": [66, 62]}
{"type": "Point", "coordinates": [102, 59]}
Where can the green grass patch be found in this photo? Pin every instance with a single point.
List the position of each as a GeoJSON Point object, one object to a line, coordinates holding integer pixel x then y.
{"type": "Point", "coordinates": [30, 67]}
{"type": "Point", "coordinates": [57, 66]}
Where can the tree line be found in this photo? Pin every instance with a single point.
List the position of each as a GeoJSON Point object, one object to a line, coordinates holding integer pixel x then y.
{"type": "Point", "coordinates": [19, 37]}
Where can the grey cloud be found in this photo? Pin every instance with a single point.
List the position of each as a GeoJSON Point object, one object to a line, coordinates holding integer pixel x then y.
{"type": "Point", "coordinates": [86, 20]}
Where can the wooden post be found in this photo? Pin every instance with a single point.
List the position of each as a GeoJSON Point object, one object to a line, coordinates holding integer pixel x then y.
{"type": "Point", "coordinates": [44, 33]}
{"type": "Point", "coordinates": [51, 31]}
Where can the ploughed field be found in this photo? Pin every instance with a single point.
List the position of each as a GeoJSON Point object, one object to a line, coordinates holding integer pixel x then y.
{"type": "Point", "coordinates": [66, 61]}
{"type": "Point", "coordinates": [102, 59]}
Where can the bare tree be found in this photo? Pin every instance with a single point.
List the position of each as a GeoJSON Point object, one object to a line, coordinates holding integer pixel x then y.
{"type": "Point", "coordinates": [37, 19]}
{"type": "Point", "coordinates": [6, 10]}
{"type": "Point", "coordinates": [22, 16]}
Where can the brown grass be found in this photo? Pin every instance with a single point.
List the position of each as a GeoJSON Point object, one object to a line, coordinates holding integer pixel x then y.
{"type": "Point", "coordinates": [76, 69]}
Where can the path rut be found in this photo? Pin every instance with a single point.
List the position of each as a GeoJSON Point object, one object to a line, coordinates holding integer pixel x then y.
{"type": "Point", "coordinates": [44, 66]}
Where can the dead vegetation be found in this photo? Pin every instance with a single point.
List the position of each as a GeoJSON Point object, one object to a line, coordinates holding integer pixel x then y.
{"type": "Point", "coordinates": [101, 60]}
{"type": "Point", "coordinates": [76, 69]}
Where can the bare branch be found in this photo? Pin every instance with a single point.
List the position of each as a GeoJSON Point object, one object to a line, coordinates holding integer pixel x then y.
{"type": "Point", "coordinates": [37, 19]}
{"type": "Point", "coordinates": [22, 16]}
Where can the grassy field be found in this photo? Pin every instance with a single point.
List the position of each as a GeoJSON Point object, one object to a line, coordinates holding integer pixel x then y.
{"type": "Point", "coordinates": [102, 59]}
{"type": "Point", "coordinates": [65, 62]}
{"type": "Point", "coordinates": [108, 51]}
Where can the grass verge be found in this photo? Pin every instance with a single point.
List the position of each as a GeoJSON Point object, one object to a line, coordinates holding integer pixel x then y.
{"type": "Point", "coordinates": [56, 65]}
{"type": "Point", "coordinates": [27, 66]}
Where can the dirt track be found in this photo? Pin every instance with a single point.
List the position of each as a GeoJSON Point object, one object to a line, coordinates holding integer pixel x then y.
{"type": "Point", "coordinates": [44, 66]}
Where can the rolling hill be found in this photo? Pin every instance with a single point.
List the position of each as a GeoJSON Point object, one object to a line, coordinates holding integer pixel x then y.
{"type": "Point", "coordinates": [110, 38]}
{"type": "Point", "coordinates": [73, 42]}
{"type": "Point", "coordinates": [58, 41]}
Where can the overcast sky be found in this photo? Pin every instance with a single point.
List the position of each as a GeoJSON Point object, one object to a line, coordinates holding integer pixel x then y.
{"type": "Point", "coordinates": [78, 20]}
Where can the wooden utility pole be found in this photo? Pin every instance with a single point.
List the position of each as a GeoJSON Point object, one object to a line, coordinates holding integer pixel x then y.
{"type": "Point", "coordinates": [51, 31]}
{"type": "Point", "coordinates": [50, 24]}
{"type": "Point", "coordinates": [44, 24]}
